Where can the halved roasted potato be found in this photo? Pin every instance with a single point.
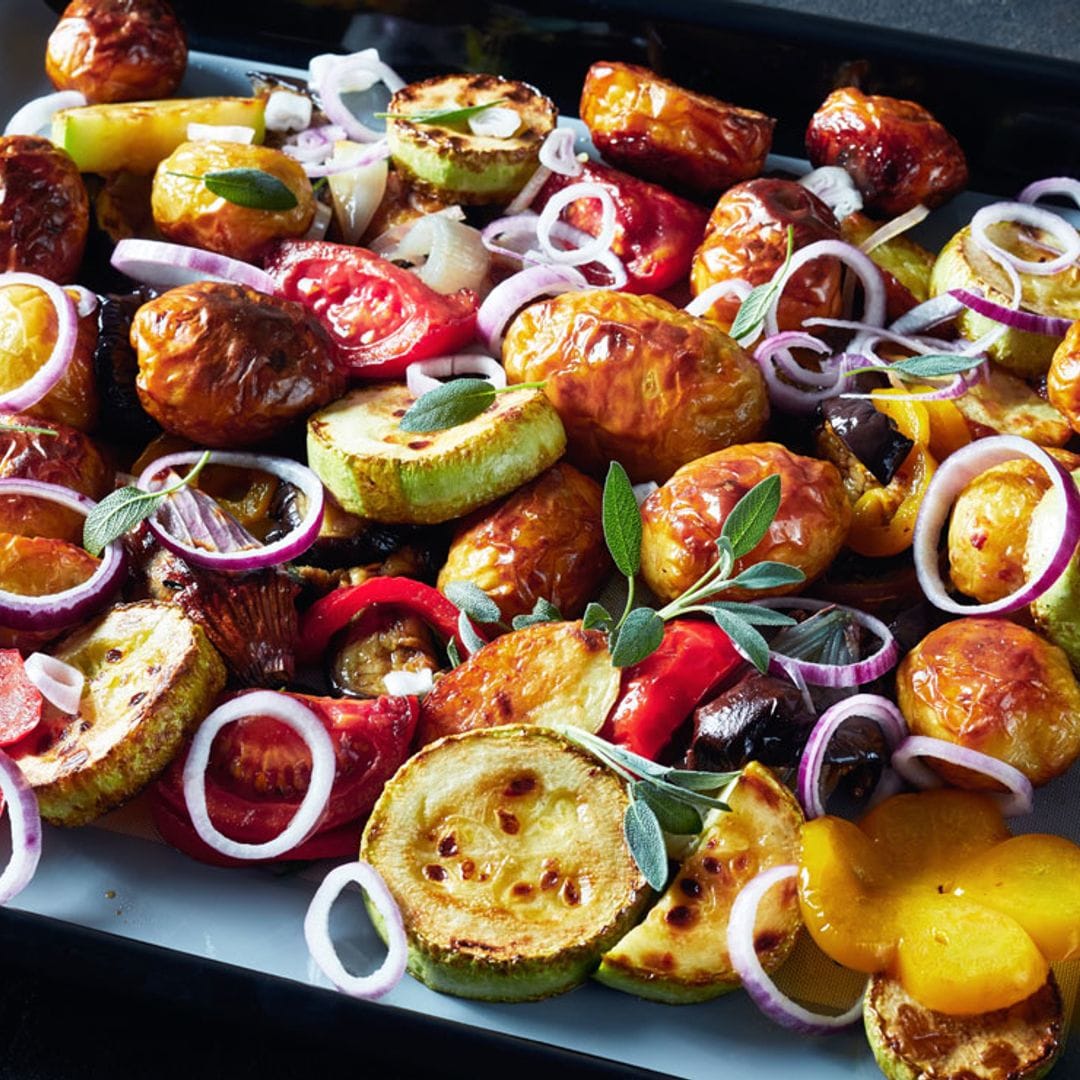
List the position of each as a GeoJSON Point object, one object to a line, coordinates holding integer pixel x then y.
{"type": "Point", "coordinates": [1003, 404]}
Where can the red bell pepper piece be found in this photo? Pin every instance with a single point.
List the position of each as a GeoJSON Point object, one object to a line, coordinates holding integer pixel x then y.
{"type": "Point", "coordinates": [20, 700]}
{"type": "Point", "coordinates": [659, 693]}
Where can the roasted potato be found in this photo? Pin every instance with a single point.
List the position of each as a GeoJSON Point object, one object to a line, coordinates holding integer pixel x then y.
{"type": "Point", "coordinates": [904, 265]}
{"type": "Point", "coordinates": [186, 211]}
{"type": "Point", "coordinates": [1004, 405]}
{"type": "Point", "coordinates": [27, 335]}
{"type": "Point", "coordinates": [117, 50]}
{"type": "Point", "coordinates": [996, 687]}
{"type": "Point", "coordinates": [1063, 379]}
{"type": "Point", "coordinates": [636, 379]}
{"type": "Point", "coordinates": [544, 541]}
{"type": "Point", "coordinates": [44, 209]}
{"type": "Point", "coordinates": [381, 640]}
{"type": "Point", "coordinates": [895, 151]}
{"type": "Point", "coordinates": [224, 365]}
{"type": "Point", "coordinates": [653, 128]}
{"type": "Point", "coordinates": [747, 238]}
{"type": "Point", "coordinates": [681, 521]}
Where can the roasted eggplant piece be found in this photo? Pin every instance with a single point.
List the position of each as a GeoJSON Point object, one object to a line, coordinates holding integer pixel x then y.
{"type": "Point", "coordinates": [116, 367]}
{"type": "Point", "coordinates": [867, 434]}
{"type": "Point", "coordinates": [381, 640]}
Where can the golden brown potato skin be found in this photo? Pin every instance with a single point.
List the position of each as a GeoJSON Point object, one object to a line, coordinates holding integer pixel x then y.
{"type": "Point", "coordinates": [682, 519]}
{"type": "Point", "coordinates": [117, 50]}
{"type": "Point", "coordinates": [653, 128]}
{"type": "Point", "coordinates": [746, 237]}
{"type": "Point", "coordinates": [996, 687]}
{"type": "Point", "coordinates": [896, 152]}
{"type": "Point", "coordinates": [635, 379]}
{"type": "Point", "coordinates": [1063, 379]}
{"type": "Point", "coordinates": [186, 211]}
{"type": "Point", "coordinates": [544, 541]}
{"type": "Point", "coordinates": [44, 209]}
{"type": "Point", "coordinates": [224, 365]}
{"type": "Point", "coordinates": [905, 266]}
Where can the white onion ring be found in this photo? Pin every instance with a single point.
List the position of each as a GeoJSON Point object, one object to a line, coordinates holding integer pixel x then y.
{"type": "Point", "coordinates": [509, 296]}
{"type": "Point", "coordinates": [1019, 797]}
{"type": "Point", "coordinates": [321, 946]}
{"type": "Point", "coordinates": [423, 375]}
{"type": "Point", "coordinates": [597, 245]}
{"type": "Point", "coordinates": [164, 266]}
{"type": "Point", "coordinates": [773, 357]}
{"type": "Point", "coordinates": [320, 222]}
{"type": "Point", "coordinates": [286, 110]}
{"type": "Point", "coordinates": [59, 683]}
{"type": "Point", "coordinates": [498, 122]}
{"type": "Point", "coordinates": [25, 821]}
{"type": "Point", "coordinates": [703, 302]}
{"type": "Point", "coordinates": [376, 151]}
{"type": "Point", "coordinates": [28, 394]}
{"type": "Point", "coordinates": [762, 990]}
{"type": "Point", "coordinates": [524, 198]}
{"type": "Point", "coordinates": [330, 88]}
{"type": "Point", "coordinates": [295, 715]}
{"type": "Point", "coordinates": [951, 477]}
{"type": "Point", "coordinates": [1067, 186]}
{"type": "Point", "coordinates": [557, 153]}
{"type": "Point", "coordinates": [928, 314]}
{"type": "Point", "coordinates": [1036, 218]}
{"type": "Point", "coordinates": [835, 188]}
{"type": "Point", "coordinates": [450, 254]}
{"type": "Point", "coordinates": [897, 227]}
{"type": "Point", "coordinates": [37, 114]}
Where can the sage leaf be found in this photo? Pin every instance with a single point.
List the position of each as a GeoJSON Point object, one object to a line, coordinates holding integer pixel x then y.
{"type": "Point", "coordinates": [443, 116]}
{"type": "Point", "coordinates": [251, 188]}
{"type": "Point", "coordinates": [638, 637]}
{"type": "Point", "coordinates": [448, 405]}
{"type": "Point", "coordinates": [695, 780]}
{"type": "Point", "coordinates": [118, 512]}
{"type": "Point", "coordinates": [744, 637]}
{"type": "Point", "coordinates": [645, 839]}
{"type": "Point", "coordinates": [452, 654]}
{"type": "Point", "coordinates": [691, 796]}
{"type": "Point", "coordinates": [673, 815]}
{"type": "Point", "coordinates": [769, 575]}
{"type": "Point", "coordinates": [596, 617]}
{"type": "Point", "coordinates": [469, 637]}
{"type": "Point", "coordinates": [749, 520]}
{"type": "Point", "coordinates": [26, 429]}
{"type": "Point", "coordinates": [473, 601]}
{"type": "Point", "coordinates": [622, 521]}
{"type": "Point", "coordinates": [543, 611]}
{"type": "Point", "coordinates": [751, 613]}
{"type": "Point", "coordinates": [932, 366]}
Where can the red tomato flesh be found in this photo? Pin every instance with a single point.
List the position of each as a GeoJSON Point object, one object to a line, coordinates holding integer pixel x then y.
{"type": "Point", "coordinates": [20, 700]}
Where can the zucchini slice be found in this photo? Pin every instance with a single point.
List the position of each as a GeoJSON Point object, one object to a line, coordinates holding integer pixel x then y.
{"type": "Point", "coordinates": [504, 849]}
{"type": "Point", "coordinates": [151, 677]}
{"type": "Point", "coordinates": [449, 160]}
{"type": "Point", "coordinates": [911, 1042]}
{"type": "Point", "coordinates": [380, 472]}
{"type": "Point", "coordinates": [679, 954]}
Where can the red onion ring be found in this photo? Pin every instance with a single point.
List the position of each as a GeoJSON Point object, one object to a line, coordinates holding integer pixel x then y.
{"type": "Point", "coordinates": [1012, 317]}
{"type": "Point", "coordinates": [25, 820]}
{"type": "Point", "coordinates": [533, 186]}
{"type": "Point", "coordinates": [164, 266]}
{"type": "Point", "coordinates": [836, 676]}
{"type": "Point", "coordinates": [58, 610]}
{"type": "Point", "coordinates": [951, 477]}
{"type": "Point", "coordinates": [799, 398]}
{"type": "Point", "coordinates": [835, 188]}
{"type": "Point", "coordinates": [321, 946]}
{"type": "Point", "coordinates": [378, 151]}
{"type": "Point", "coordinates": [283, 550]}
{"type": "Point", "coordinates": [871, 706]}
{"type": "Point", "coordinates": [295, 715]}
{"type": "Point", "coordinates": [762, 990]}
{"type": "Point", "coordinates": [897, 227]}
{"type": "Point", "coordinates": [1067, 186]}
{"type": "Point", "coordinates": [59, 683]}
{"type": "Point", "coordinates": [1018, 799]}
{"type": "Point", "coordinates": [511, 295]}
{"type": "Point", "coordinates": [37, 114]}
{"type": "Point", "coordinates": [1034, 217]}
{"type": "Point", "coordinates": [423, 375]}
{"type": "Point", "coordinates": [703, 302]}
{"type": "Point", "coordinates": [29, 393]}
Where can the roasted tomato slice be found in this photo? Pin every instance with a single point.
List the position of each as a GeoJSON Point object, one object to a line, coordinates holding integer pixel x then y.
{"type": "Point", "coordinates": [380, 316]}
{"type": "Point", "coordinates": [20, 700]}
{"type": "Point", "coordinates": [259, 769]}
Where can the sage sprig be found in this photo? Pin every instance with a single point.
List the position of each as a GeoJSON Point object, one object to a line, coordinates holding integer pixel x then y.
{"type": "Point", "coordinates": [451, 404]}
{"type": "Point", "coordinates": [929, 366]}
{"type": "Point", "coordinates": [26, 429]}
{"type": "Point", "coordinates": [254, 189]}
{"type": "Point", "coordinates": [443, 116]}
{"type": "Point", "coordinates": [752, 311]}
{"type": "Point", "coordinates": [475, 604]}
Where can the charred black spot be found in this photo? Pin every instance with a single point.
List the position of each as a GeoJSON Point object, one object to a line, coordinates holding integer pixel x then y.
{"type": "Point", "coordinates": [508, 822]}
{"type": "Point", "coordinates": [520, 785]}
{"type": "Point", "coordinates": [690, 887]}
{"type": "Point", "coordinates": [113, 655]}
{"type": "Point", "coordinates": [448, 846]}
{"type": "Point", "coordinates": [434, 872]}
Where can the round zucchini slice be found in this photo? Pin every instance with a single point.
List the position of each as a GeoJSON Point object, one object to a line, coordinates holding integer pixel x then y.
{"type": "Point", "coordinates": [447, 159]}
{"type": "Point", "coordinates": [504, 849]}
{"type": "Point", "coordinates": [911, 1042]}
{"type": "Point", "coordinates": [380, 472]}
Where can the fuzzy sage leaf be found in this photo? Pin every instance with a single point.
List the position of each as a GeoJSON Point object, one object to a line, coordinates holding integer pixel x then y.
{"type": "Point", "coordinates": [596, 617]}
{"type": "Point", "coordinates": [674, 815]}
{"type": "Point", "coordinates": [645, 839]}
{"type": "Point", "coordinates": [469, 637]}
{"type": "Point", "coordinates": [931, 366]}
{"type": "Point", "coordinates": [749, 520]}
{"type": "Point", "coordinates": [26, 429]}
{"type": "Point", "coordinates": [749, 642]}
{"type": "Point", "coordinates": [752, 311]}
{"type": "Point", "coordinates": [638, 637]}
{"type": "Point", "coordinates": [622, 521]}
{"type": "Point", "coordinates": [769, 575]}
{"type": "Point", "coordinates": [543, 611]}
{"type": "Point", "coordinates": [254, 189]}
{"type": "Point", "coordinates": [452, 404]}
{"type": "Point", "coordinates": [443, 116]}
{"type": "Point", "coordinates": [751, 613]}
{"type": "Point", "coordinates": [473, 601]}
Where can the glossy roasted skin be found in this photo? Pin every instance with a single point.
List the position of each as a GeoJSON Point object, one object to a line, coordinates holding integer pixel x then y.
{"type": "Point", "coordinates": [44, 209]}
{"type": "Point", "coordinates": [117, 50]}
{"type": "Point", "coordinates": [747, 238]}
{"type": "Point", "coordinates": [224, 365]}
{"type": "Point", "coordinates": [636, 380]}
{"type": "Point", "coordinates": [544, 541]}
{"type": "Point", "coordinates": [995, 687]}
{"type": "Point", "coordinates": [1063, 380]}
{"type": "Point", "coordinates": [681, 521]}
{"type": "Point", "coordinates": [896, 152]}
{"type": "Point", "coordinates": [186, 211]}
{"type": "Point", "coordinates": [653, 128]}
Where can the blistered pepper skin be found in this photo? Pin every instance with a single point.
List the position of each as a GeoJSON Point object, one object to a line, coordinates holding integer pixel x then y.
{"type": "Point", "coordinates": [1063, 379]}
{"type": "Point", "coordinates": [895, 151]}
{"type": "Point", "coordinates": [655, 129]}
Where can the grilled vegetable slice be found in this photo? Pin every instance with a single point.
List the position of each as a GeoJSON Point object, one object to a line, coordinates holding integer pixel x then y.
{"type": "Point", "coordinates": [151, 676]}
{"type": "Point", "coordinates": [679, 953]}
{"type": "Point", "coordinates": [504, 849]}
{"type": "Point", "coordinates": [380, 472]}
{"type": "Point", "coordinates": [911, 1042]}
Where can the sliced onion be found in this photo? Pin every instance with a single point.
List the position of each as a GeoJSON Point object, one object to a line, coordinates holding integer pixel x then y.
{"type": "Point", "coordinates": [37, 115]}
{"type": "Point", "coordinates": [762, 990]}
{"type": "Point", "coordinates": [386, 243]}
{"type": "Point", "coordinates": [643, 491]}
{"type": "Point", "coordinates": [498, 122]}
{"type": "Point", "coordinates": [59, 683]}
{"type": "Point", "coordinates": [295, 715]}
{"type": "Point", "coordinates": [452, 254]}
{"type": "Point", "coordinates": [869, 706]}
{"type": "Point", "coordinates": [834, 187]}
{"type": "Point", "coordinates": [952, 476]}
{"type": "Point", "coordinates": [287, 111]}
{"type": "Point", "coordinates": [897, 227]}
{"type": "Point", "coordinates": [557, 152]}
{"type": "Point", "coordinates": [524, 198]}
{"type": "Point", "coordinates": [598, 245]}
{"type": "Point", "coordinates": [1019, 798]}
{"type": "Point", "coordinates": [86, 302]}
{"type": "Point", "coordinates": [334, 76]}
{"type": "Point", "coordinates": [1034, 217]}
{"type": "Point", "coordinates": [29, 393]}
{"type": "Point", "coordinates": [408, 683]}
{"type": "Point", "coordinates": [423, 375]}
{"type": "Point", "coordinates": [321, 946]}
{"type": "Point", "coordinates": [288, 547]}
{"type": "Point", "coordinates": [376, 151]}
{"type": "Point", "coordinates": [800, 398]}
{"type": "Point", "coordinates": [836, 676]}
{"type": "Point", "coordinates": [511, 295]}
{"type": "Point", "coordinates": [320, 222]}
{"type": "Point", "coordinates": [163, 266]}
{"type": "Point", "coordinates": [1018, 320]}
{"type": "Point", "coordinates": [58, 610]}
{"type": "Point", "coordinates": [356, 193]}
{"type": "Point", "coordinates": [928, 314]}
{"type": "Point", "coordinates": [235, 133]}
{"type": "Point", "coordinates": [315, 144]}
{"type": "Point", "coordinates": [1067, 186]}
{"type": "Point", "coordinates": [702, 304]}
{"type": "Point", "coordinates": [22, 808]}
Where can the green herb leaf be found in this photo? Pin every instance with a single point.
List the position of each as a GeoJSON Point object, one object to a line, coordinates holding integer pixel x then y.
{"type": "Point", "coordinates": [452, 653]}
{"type": "Point", "coordinates": [752, 310]}
{"type": "Point", "coordinates": [673, 815]}
{"type": "Point", "coordinates": [639, 636]}
{"type": "Point", "coordinates": [442, 116]}
{"type": "Point", "coordinates": [815, 636]}
{"type": "Point", "coordinates": [751, 613]}
{"type": "Point", "coordinates": [935, 366]}
{"type": "Point", "coordinates": [698, 799]}
{"type": "Point", "coordinates": [622, 521]}
{"type": "Point", "coordinates": [744, 636]}
{"type": "Point", "coordinates": [26, 429]}
{"type": "Point", "coordinates": [745, 527]}
{"type": "Point", "coordinates": [695, 780]}
{"type": "Point", "coordinates": [645, 840]}
{"type": "Point", "coordinates": [769, 575]}
{"type": "Point", "coordinates": [473, 601]}
{"type": "Point", "coordinates": [596, 617]}
{"type": "Point", "coordinates": [469, 637]}
{"type": "Point", "coordinates": [251, 188]}
{"type": "Point", "coordinates": [448, 405]}
{"type": "Point", "coordinates": [543, 611]}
